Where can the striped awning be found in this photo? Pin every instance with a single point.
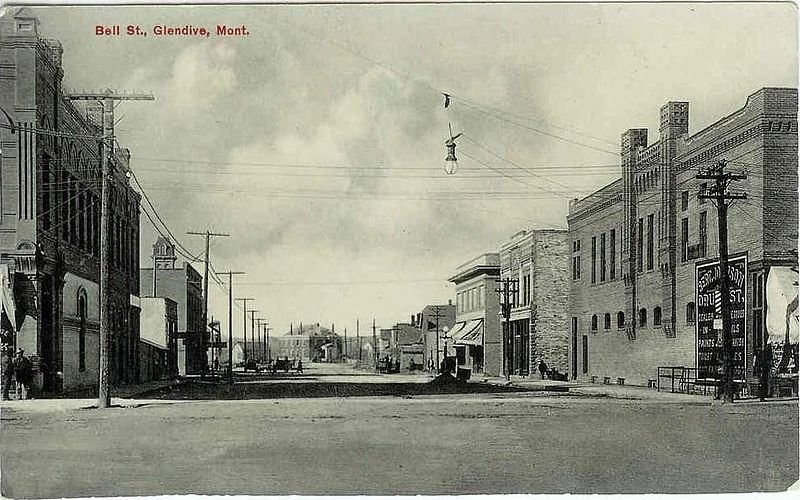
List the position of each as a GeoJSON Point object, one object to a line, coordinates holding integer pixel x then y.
{"type": "Point", "coordinates": [457, 328]}
{"type": "Point", "coordinates": [471, 334]}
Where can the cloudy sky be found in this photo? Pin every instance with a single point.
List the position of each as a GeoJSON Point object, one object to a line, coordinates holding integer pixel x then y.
{"type": "Point", "coordinates": [317, 140]}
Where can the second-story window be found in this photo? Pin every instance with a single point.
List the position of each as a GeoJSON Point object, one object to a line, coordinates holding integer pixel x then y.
{"type": "Point", "coordinates": [602, 257]}
{"type": "Point", "coordinates": [684, 239]}
{"type": "Point", "coordinates": [650, 243]}
{"type": "Point", "coordinates": [702, 231]}
{"type": "Point", "coordinates": [612, 254]}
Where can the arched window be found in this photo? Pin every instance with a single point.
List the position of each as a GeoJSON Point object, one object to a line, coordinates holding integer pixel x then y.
{"type": "Point", "coordinates": [594, 322]}
{"type": "Point", "coordinates": [607, 321]}
{"type": "Point", "coordinates": [690, 313]}
{"type": "Point", "coordinates": [643, 317]}
{"type": "Point", "coordinates": [657, 316]}
{"type": "Point", "coordinates": [82, 312]}
{"type": "Point", "coordinates": [620, 320]}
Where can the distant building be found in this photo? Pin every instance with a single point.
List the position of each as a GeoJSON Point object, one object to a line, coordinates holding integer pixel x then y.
{"type": "Point", "coordinates": [432, 322]}
{"type": "Point", "coordinates": [643, 248]}
{"type": "Point", "coordinates": [184, 285]}
{"type": "Point", "coordinates": [401, 334]}
{"type": "Point", "coordinates": [50, 224]}
{"type": "Point", "coordinates": [158, 351]}
{"type": "Point", "coordinates": [475, 337]}
{"type": "Point", "coordinates": [309, 343]}
{"type": "Point", "coordinates": [538, 328]}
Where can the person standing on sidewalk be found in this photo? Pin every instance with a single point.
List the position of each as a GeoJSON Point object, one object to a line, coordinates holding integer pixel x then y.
{"type": "Point", "coordinates": [8, 370]}
{"type": "Point", "coordinates": [542, 368]}
{"type": "Point", "coordinates": [23, 372]}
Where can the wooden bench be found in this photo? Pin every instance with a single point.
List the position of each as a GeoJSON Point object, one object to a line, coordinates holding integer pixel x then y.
{"type": "Point", "coordinates": [606, 380]}
{"type": "Point", "coordinates": [651, 383]}
{"type": "Point", "coordinates": [620, 381]}
{"type": "Point", "coordinates": [594, 379]}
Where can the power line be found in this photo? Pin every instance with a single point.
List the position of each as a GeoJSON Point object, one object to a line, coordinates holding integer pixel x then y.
{"type": "Point", "coordinates": [468, 103]}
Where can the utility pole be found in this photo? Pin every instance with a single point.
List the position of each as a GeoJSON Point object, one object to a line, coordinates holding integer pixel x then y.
{"type": "Point", "coordinates": [437, 313]}
{"type": "Point", "coordinates": [253, 332]}
{"type": "Point", "coordinates": [721, 198]}
{"type": "Point", "coordinates": [261, 339]}
{"type": "Point", "coordinates": [346, 354]}
{"type": "Point", "coordinates": [269, 347]}
{"type": "Point", "coordinates": [107, 99]}
{"type": "Point", "coordinates": [208, 236]}
{"type": "Point", "coordinates": [230, 321]}
{"type": "Point", "coordinates": [244, 325]}
{"type": "Point", "coordinates": [374, 343]}
{"type": "Point", "coordinates": [506, 291]}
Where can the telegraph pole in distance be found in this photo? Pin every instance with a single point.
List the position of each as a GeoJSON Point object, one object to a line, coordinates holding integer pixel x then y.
{"type": "Point", "coordinates": [721, 198]}
{"type": "Point", "coordinates": [269, 347]}
{"type": "Point", "coordinates": [437, 313]}
{"type": "Point", "coordinates": [253, 332]}
{"type": "Point", "coordinates": [208, 236]}
{"type": "Point", "coordinates": [107, 99]}
{"type": "Point", "coordinates": [244, 325]}
{"type": "Point", "coordinates": [230, 322]}
{"type": "Point", "coordinates": [358, 340]}
{"type": "Point", "coordinates": [374, 344]}
{"type": "Point", "coordinates": [261, 339]}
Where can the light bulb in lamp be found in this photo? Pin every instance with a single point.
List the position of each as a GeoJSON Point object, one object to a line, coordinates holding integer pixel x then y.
{"type": "Point", "coordinates": [451, 162]}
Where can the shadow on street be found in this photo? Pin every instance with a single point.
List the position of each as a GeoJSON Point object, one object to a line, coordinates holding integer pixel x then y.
{"type": "Point", "coordinates": [278, 390]}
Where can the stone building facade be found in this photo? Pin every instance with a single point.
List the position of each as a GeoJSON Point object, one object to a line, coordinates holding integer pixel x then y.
{"type": "Point", "coordinates": [537, 329]}
{"type": "Point", "coordinates": [183, 284]}
{"type": "Point", "coordinates": [635, 244]}
{"type": "Point", "coordinates": [50, 219]}
{"type": "Point", "coordinates": [475, 338]}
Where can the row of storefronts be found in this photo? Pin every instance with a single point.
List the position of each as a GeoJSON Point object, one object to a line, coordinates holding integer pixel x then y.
{"type": "Point", "coordinates": [631, 289]}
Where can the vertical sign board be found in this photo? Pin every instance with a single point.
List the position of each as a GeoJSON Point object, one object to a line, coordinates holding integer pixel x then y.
{"type": "Point", "coordinates": [709, 318]}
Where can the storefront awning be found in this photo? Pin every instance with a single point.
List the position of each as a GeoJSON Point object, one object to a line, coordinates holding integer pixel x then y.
{"type": "Point", "coordinates": [7, 296]}
{"type": "Point", "coordinates": [457, 328]}
{"type": "Point", "coordinates": [471, 334]}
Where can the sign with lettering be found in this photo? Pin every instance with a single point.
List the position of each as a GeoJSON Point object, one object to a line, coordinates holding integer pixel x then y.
{"type": "Point", "coordinates": [709, 318]}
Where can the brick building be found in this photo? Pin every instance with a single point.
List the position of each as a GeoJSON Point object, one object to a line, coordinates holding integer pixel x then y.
{"type": "Point", "coordinates": [637, 243]}
{"type": "Point", "coordinates": [184, 285]}
{"type": "Point", "coordinates": [50, 219]}
{"type": "Point", "coordinates": [476, 336]}
{"type": "Point", "coordinates": [538, 328]}
{"type": "Point", "coordinates": [306, 343]}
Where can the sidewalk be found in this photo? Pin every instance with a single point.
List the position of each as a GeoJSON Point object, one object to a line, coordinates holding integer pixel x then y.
{"type": "Point", "coordinates": [631, 392]}
{"type": "Point", "coordinates": [120, 397]}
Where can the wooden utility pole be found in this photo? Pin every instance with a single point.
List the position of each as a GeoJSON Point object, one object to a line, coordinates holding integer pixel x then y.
{"type": "Point", "coordinates": [107, 99]}
{"type": "Point", "coordinates": [506, 291]}
{"type": "Point", "coordinates": [374, 344]}
{"type": "Point", "coordinates": [358, 340]}
{"type": "Point", "coordinates": [230, 321]}
{"type": "Point", "coordinates": [437, 314]}
{"type": "Point", "coordinates": [269, 347]}
{"type": "Point", "coordinates": [261, 339]}
{"type": "Point", "coordinates": [253, 332]}
{"type": "Point", "coordinates": [208, 236]}
{"type": "Point", "coordinates": [244, 324]}
{"type": "Point", "coordinates": [721, 198]}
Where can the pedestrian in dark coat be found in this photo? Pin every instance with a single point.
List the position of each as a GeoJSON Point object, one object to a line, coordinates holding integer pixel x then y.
{"type": "Point", "coordinates": [8, 370]}
{"type": "Point", "coordinates": [542, 368]}
{"type": "Point", "coordinates": [23, 372]}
